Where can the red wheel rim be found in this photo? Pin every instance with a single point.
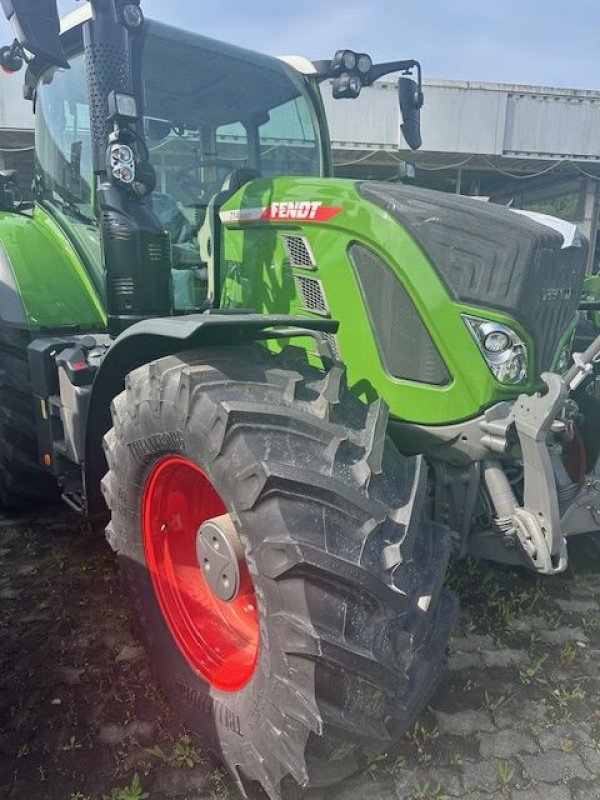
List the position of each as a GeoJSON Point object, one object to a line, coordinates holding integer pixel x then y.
{"type": "Point", "coordinates": [219, 639]}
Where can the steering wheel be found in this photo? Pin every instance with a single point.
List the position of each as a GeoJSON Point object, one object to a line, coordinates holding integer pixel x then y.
{"type": "Point", "coordinates": [188, 178]}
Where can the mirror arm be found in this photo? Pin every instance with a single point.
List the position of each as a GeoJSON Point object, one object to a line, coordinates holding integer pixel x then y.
{"type": "Point", "coordinates": [379, 70]}
{"type": "Point", "coordinates": [405, 67]}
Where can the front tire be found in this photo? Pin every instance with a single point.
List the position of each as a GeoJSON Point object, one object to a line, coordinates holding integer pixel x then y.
{"type": "Point", "coordinates": [351, 617]}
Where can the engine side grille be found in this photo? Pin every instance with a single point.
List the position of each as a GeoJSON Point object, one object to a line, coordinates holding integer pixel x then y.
{"type": "Point", "coordinates": [551, 317]}
{"type": "Point", "coordinates": [311, 291]}
{"type": "Point", "coordinates": [406, 348]}
{"type": "Point", "coordinates": [299, 252]}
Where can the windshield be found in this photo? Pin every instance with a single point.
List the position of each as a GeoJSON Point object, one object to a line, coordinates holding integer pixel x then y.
{"type": "Point", "coordinates": [209, 108]}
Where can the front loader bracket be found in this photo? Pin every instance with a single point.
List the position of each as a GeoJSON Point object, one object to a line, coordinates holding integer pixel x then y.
{"type": "Point", "coordinates": [538, 525]}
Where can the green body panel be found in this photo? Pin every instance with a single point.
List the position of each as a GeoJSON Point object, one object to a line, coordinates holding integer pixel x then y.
{"type": "Point", "coordinates": [257, 274]}
{"type": "Point", "coordinates": [54, 287]}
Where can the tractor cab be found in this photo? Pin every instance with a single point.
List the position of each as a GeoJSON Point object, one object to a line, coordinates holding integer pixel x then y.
{"type": "Point", "coordinates": [210, 109]}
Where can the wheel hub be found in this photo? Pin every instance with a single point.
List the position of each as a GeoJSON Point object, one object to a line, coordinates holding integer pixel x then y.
{"type": "Point", "coordinates": [220, 552]}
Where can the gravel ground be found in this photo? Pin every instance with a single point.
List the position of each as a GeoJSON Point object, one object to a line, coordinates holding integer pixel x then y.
{"type": "Point", "coordinates": [518, 716]}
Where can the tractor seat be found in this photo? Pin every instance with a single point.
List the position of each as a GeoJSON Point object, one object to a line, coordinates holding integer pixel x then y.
{"type": "Point", "coordinates": [232, 183]}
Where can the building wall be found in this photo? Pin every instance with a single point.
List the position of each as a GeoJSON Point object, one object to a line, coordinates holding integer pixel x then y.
{"type": "Point", "coordinates": [475, 118]}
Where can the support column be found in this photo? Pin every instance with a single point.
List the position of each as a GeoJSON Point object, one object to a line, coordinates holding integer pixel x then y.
{"type": "Point", "coordinates": [459, 181]}
{"type": "Point", "coordinates": [589, 224]}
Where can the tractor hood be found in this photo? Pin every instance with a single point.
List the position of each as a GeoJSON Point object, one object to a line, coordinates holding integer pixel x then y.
{"type": "Point", "coordinates": [403, 270]}
{"type": "Point", "coordinates": [489, 256]}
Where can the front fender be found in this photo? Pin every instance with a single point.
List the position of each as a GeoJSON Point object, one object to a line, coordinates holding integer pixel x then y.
{"type": "Point", "coordinates": [44, 284]}
{"type": "Point", "coordinates": [154, 338]}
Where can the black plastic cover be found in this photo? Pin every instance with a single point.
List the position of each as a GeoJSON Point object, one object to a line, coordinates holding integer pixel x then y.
{"type": "Point", "coordinates": [41, 355]}
{"type": "Point", "coordinates": [76, 366]}
{"type": "Point", "coordinates": [491, 257]}
{"type": "Point", "coordinates": [405, 346]}
{"type": "Point", "coordinates": [37, 27]}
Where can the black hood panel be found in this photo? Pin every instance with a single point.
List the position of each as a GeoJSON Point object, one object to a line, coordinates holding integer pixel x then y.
{"type": "Point", "coordinates": [492, 257]}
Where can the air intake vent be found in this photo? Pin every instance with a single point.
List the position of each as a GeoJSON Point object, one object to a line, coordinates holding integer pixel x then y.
{"type": "Point", "coordinates": [122, 287]}
{"type": "Point", "coordinates": [107, 69]}
{"type": "Point", "coordinates": [299, 252]}
{"type": "Point", "coordinates": [311, 291]}
{"type": "Point", "coordinates": [156, 248]}
{"type": "Point", "coordinates": [331, 340]}
{"type": "Point", "coordinates": [115, 228]}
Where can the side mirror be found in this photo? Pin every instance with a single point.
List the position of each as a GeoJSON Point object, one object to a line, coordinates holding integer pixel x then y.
{"type": "Point", "coordinates": [351, 71]}
{"type": "Point", "coordinates": [37, 28]}
{"type": "Point", "coordinates": [411, 100]}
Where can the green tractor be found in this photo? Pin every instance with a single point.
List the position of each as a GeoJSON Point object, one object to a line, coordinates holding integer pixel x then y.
{"type": "Point", "coordinates": [297, 396]}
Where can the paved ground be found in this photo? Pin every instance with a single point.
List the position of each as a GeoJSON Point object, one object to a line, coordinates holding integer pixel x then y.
{"type": "Point", "coordinates": [518, 716]}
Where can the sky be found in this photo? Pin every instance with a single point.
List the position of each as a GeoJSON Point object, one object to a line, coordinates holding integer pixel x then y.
{"type": "Point", "coordinates": [536, 42]}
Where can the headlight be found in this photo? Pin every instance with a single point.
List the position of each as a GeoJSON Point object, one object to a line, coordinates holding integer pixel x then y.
{"type": "Point", "coordinates": [364, 63]}
{"type": "Point", "coordinates": [504, 351]}
{"type": "Point", "coordinates": [344, 59]}
{"type": "Point", "coordinates": [496, 342]}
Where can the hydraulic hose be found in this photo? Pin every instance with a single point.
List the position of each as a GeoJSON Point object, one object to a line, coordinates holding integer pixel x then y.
{"type": "Point", "coordinates": [583, 364]}
{"type": "Point", "coordinates": [498, 485]}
